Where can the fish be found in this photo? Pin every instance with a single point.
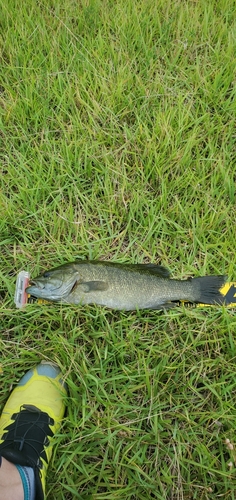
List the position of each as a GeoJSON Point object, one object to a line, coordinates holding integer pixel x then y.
{"type": "Point", "coordinates": [123, 286]}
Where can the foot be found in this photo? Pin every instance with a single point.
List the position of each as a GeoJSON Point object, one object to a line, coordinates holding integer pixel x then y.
{"type": "Point", "coordinates": [30, 419]}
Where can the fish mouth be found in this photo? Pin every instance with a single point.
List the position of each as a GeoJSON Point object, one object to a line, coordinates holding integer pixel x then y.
{"type": "Point", "coordinates": [37, 284]}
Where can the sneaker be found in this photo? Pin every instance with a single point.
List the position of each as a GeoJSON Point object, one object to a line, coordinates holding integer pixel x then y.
{"type": "Point", "coordinates": [30, 418]}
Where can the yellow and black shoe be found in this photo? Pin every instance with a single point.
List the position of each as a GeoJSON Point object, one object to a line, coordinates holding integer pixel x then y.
{"type": "Point", "coordinates": [30, 419]}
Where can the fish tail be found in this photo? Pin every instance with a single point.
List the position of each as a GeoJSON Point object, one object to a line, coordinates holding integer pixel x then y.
{"type": "Point", "coordinates": [209, 289]}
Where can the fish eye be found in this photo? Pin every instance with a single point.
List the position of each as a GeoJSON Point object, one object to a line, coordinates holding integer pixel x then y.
{"type": "Point", "coordinates": [47, 274]}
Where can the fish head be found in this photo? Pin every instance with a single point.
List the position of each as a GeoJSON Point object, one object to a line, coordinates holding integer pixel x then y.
{"type": "Point", "coordinates": [54, 284]}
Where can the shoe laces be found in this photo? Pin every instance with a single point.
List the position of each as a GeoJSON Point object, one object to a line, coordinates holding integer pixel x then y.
{"type": "Point", "coordinates": [29, 434]}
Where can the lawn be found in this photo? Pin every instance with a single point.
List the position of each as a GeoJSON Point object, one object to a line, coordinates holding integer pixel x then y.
{"type": "Point", "coordinates": [118, 142]}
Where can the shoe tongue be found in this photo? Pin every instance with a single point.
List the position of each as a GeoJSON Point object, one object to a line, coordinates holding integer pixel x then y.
{"type": "Point", "coordinates": [16, 457]}
{"type": "Point", "coordinates": [26, 437]}
{"type": "Point", "coordinates": [24, 441]}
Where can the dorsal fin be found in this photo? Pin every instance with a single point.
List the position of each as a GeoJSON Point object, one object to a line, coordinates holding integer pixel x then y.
{"type": "Point", "coordinates": [160, 271]}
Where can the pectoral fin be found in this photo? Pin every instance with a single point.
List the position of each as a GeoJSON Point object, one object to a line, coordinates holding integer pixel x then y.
{"type": "Point", "coordinates": [92, 286]}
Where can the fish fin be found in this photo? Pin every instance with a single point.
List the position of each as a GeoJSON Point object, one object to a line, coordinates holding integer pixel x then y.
{"type": "Point", "coordinates": [166, 305]}
{"type": "Point", "coordinates": [153, 268]}
{"type": "Point", "coordinates": [210, 289]}
{"type": "Point", "coordinates": [162, 271]}
{"type": "Point", "coordinates": [91, 286]}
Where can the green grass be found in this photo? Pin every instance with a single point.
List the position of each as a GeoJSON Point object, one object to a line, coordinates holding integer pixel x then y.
{"type": "Point", "coordinates": [118, 142]}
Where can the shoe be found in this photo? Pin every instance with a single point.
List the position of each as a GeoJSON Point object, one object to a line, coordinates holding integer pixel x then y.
{"type": "Point", "coordinates": [30, 419]}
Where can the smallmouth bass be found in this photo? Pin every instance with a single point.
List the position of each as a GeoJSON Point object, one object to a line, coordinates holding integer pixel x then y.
{"type": "Point", "coordinates": [123, 286]}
